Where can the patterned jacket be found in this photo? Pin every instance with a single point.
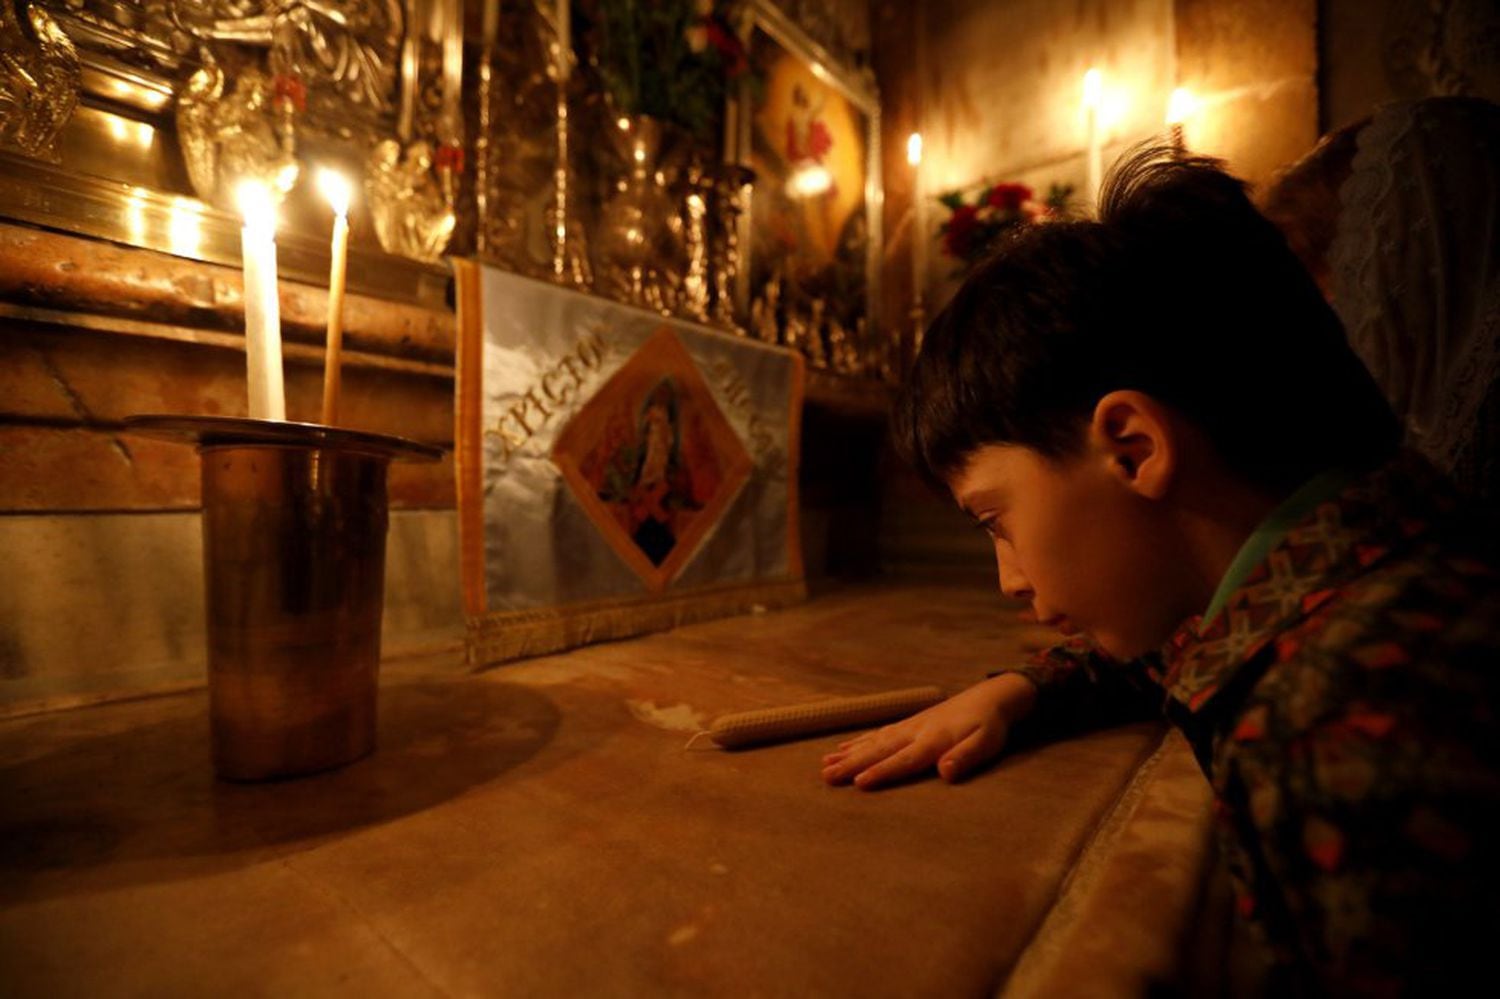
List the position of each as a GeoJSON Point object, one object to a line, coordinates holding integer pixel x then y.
{"type": "Point", "coordinates": [1344, 708]}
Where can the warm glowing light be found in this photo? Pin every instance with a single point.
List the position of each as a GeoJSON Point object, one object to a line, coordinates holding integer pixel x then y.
{"type": "Point", "coordinates": [135, 214]}
{"type": "Point", "coordinates": [1093, 88]}
{"type": "Point", "coordinates": [257, 207]}
{"type": "Point", "coordinates": [144, 134]}
{"type": "Point", "coordinates": [623, 122]}
{"type": "Point", "coordinates": [1112, 108]}
{"type": "Point", "coordinates": [117, 127]}
{"type": "Point", "coordinates": [185, 227]}
{"type": "Point", "coordinates": [334, 187]}
{"type": "Point", "coordinates": [640, 152]}
{"type": "Point", "coordinates": [1181, 106]}
{"type": "Point", "coordinates": [286, 176]}
{"type": "Point", "coordinates": [914, 148]}
{"type": "Point", "coordinates": [808, 180]}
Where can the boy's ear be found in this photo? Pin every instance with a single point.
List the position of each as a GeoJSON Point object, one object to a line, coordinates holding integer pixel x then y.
{"type": "Point", "coordinates": [1136, 435]}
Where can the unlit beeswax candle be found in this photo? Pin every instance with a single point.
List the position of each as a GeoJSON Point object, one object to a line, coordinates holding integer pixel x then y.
{"type": "Point", "coordinates": [798, 720]}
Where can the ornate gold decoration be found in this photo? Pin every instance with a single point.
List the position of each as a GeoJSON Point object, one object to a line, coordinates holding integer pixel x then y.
{"type": "Point", "coordinates": [412, 209]}
{"type": "Point", "coordinates": [39, 79]}
{"type": "Point", "coordinates": [226, 138]}
{"type": "Point", "coordinates": [517, 171]}
{"type": "Point", "coordinates": [812, 345]}
{"type": "Point", "coordinates": [693, 299]}
{"type": "Point", "coordinates": [764, 322]}
{"type": "Point", "coordinates": [634, 222]}
{"type": "Point", "coordinates": [344, 51]}
{"type": "Point", "coordinates": [731, 196]}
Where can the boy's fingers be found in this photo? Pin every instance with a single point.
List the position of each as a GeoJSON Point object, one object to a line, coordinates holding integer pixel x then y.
{"type": "Point", "coordinates": [917, 756]}
{"type": "Point", "coordinates": [975, 748]}
{"type": "Point", "coordinates": [862, 737]}
{"type": "Point", "coordinates": [860, 757]}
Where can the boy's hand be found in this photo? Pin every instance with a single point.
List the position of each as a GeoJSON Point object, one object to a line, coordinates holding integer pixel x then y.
{"type": "Point", "coordinates": [958, 735]}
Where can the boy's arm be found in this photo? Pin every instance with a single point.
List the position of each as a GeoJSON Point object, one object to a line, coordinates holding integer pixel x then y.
{"type": "Point", "coordinates": [1079, 688]}
{"type": "Point", "coordinates": [1067, 688]}
{"type": "Point", "coordinates": [1368, 842]}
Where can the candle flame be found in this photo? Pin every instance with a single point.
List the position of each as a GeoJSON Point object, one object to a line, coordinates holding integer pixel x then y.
{"type": "Point", "coordinates": [1181, 106]}
{"type": "Point", "coordinates": [334, 186]}
{"type": "Point", "coordinates": [257, 207]}
{"type": "Point", "coordinates": [1093, 88]}
{"type": "Point", "coordinates": [914, 148]}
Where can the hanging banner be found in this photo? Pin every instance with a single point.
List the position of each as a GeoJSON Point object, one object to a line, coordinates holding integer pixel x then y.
{"type": "Point", "coordinates": [618, 472]}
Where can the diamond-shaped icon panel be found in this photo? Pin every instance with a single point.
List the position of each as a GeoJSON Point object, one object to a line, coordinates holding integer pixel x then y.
{"type": "Point", "coordinates": [652, 460]}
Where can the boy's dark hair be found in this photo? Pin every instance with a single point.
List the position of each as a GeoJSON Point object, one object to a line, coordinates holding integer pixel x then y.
{"type": "Point", "coordinates": [1181, 290]}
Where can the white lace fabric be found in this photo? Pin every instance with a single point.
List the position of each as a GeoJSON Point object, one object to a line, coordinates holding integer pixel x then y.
{"type": "Point", "coordinates": [1416, 265]}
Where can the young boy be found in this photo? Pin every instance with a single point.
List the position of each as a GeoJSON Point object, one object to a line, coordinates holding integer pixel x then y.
{"type": "Point", "coordinates": [1157, 419]}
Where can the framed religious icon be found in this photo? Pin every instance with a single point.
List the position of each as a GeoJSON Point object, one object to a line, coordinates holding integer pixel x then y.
{"type": "Point", "coordinates": [810, 130]}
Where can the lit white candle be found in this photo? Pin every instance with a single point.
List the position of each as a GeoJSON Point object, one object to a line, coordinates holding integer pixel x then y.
{"type": "Point", "coordinates": [262, 308]}
{"type": "Point", "coordinates": [919, 218]}
{"type": "Point", "coordinates": [336, 189]}
{"type": "Point", "coordinates": [1093, 98]}
{"type": "Point", "coordinates": [1180, 107]}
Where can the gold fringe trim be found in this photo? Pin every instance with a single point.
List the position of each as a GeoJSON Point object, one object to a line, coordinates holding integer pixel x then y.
{"type": "Point", "coordinates": [504, 635]}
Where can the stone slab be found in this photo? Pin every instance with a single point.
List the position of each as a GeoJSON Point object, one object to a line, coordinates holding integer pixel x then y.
{"type": "Point", "coordinates": [540, 829]}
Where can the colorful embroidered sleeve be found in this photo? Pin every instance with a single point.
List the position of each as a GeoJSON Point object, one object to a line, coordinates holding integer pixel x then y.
{"type": "Point", "coordinates": [1365, 784]}
{"type": "Point", "coordinates": [1375, 859]}
{"type": "Point", "coordinates": [1079, 688]}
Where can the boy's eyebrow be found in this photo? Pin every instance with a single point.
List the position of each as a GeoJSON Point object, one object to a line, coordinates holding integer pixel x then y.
{"type": "Point", "coordinates": [978, 499]}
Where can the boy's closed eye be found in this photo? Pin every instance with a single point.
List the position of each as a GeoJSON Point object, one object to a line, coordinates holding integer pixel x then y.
{"type": "Point", "coordinates": [990, 524]}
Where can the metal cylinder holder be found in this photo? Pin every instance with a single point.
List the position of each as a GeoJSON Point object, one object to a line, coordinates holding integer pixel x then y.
{"type": "Point", "coordinates": [294, 528]}
{"type": "Point", "coordinates": [294, 566]}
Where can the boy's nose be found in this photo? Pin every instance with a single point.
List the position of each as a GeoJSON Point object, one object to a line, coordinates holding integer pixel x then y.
{"type": "Point", "coordinates": [1012, 582]}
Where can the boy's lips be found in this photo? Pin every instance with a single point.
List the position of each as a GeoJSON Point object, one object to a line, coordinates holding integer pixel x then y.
{"type": "Point", "coordinates": [1062, 624]}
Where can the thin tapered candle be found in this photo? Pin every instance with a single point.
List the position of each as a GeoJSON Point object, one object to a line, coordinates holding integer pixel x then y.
{"type": "Point", "coordinates": [336, 189]}
{"type": "Point", "coordinates": [919, 219]}
{"type": "Point", "coordinates": [1180, 106]}
{"type": "Point", "coordinates": [266, 394]}
{"type": "Point", "coordinates": [1093, 98]}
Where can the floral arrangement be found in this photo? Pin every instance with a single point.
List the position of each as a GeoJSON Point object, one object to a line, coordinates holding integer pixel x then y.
{"type": "Point", "coordinates": [973, 226]}
{"type": "Point", "coordinates": [670, 59]}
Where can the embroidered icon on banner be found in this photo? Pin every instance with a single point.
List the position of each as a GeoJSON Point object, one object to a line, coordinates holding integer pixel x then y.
{"type": "Point", "coordinates": [652, 460]}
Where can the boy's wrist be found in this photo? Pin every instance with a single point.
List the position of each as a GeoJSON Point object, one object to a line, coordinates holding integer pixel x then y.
{"type": "Point", "coordinates": [1015, 695]}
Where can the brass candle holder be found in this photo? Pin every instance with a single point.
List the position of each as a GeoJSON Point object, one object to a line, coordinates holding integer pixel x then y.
{"type": "Point", "coordinates": [294, 527]}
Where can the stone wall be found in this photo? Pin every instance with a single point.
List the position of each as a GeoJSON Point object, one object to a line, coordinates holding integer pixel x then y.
{"type": "Point", "coordinates": [997, 91]}
{"type": "Point", "coordinates": [101, 578]}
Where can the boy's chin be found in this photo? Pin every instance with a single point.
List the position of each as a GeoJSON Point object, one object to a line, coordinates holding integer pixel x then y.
{"type": "Point", "coordinates": [1120, 647]}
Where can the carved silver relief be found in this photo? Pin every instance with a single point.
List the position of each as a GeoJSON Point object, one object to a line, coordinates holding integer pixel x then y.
{"type": "Point", "coordinates": [39, 79]}
{"type": "Point", "coordinates": [528, 192]}
{"type": "Point", "coordinates": [411, 205]}
{"type": "Point", "coordinates": [229, 137]}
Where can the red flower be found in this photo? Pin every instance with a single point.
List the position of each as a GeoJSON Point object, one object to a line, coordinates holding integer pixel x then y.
{"type": "Point", "coordinates": [290, 88]}
{"type": "Point", "coordinates": [1009, 197]}
{"type": "Point", "coordinates": [730, 50]}
{"type": "Point", "coordinates": [450, 156]}
{"type": "Point", "coordinates": [958, 234]}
